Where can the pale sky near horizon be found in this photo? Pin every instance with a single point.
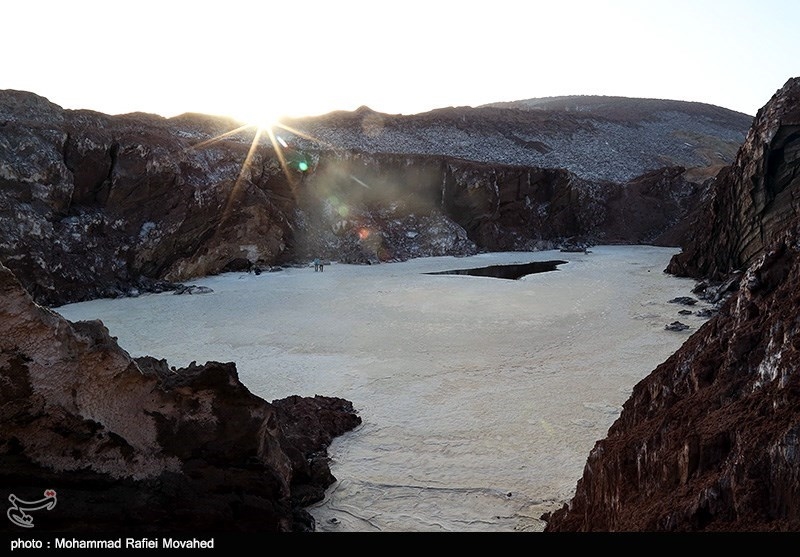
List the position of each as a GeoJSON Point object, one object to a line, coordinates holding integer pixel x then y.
{"type": "Point", "coordinates": [256, 60]}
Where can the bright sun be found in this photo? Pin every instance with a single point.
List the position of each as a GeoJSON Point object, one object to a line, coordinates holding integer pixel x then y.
{"type": "Point", "coordinates": [268, 126]}
{"type": "Point", "coordinates": [263, 119]}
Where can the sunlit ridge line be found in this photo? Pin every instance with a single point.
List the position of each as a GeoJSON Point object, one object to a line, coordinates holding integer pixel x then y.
{"type": "Point", "coordinates": [297, 132]}
{"type": "Point", "coordinates": [304, 135]}
{"type": "Point", "coordinates": [259, 130]}
{"type": "Point", "coordinates": [277, 149]}
{"type": "Point", "coordinates": [251, 151]}
{"type": "Point", "coordinates": [221, 137]}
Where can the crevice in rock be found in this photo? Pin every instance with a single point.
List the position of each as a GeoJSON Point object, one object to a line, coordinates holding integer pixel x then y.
{"type": "Point", "coordinates": [104, 188]}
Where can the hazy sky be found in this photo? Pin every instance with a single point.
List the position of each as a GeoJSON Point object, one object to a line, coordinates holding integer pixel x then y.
{"type": "Point", "coordinates": [259, 59]}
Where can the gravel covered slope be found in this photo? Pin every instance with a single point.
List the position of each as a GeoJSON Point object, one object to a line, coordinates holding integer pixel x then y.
{"type": "Point", "coordinates": [616, 140]}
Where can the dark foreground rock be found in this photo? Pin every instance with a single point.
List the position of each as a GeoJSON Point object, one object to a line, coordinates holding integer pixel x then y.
{"type": "Point", "coordinates": [710, 440]}
{"type": "Point", "coordinates": [131, 444]}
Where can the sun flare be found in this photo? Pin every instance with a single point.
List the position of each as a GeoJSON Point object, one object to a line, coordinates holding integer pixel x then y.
{"type": "Point", "coordinates": [263, 122]}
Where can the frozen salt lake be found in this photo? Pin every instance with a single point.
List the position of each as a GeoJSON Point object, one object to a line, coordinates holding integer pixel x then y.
{"type": "Point", "coordinates": [480, 397]}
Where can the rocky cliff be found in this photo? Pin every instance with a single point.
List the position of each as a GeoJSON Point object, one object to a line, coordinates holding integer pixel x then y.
{"type": "Point", "coordinates": [104, 206]}
{"type": "Point", "coordinates": [131, 442]}
{"type": "Point", "coordinates": [99, 206]}
{"type": "Point", "coordinates": [95, 205]}
{"type": "Point", "coordinates": [709, 440]}
{"type": "Point", "coordinates": [755, 199]}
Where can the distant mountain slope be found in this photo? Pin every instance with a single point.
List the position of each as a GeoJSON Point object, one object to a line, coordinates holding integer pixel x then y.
{"type": "Point", "coordinates": [93, 205]}
{"type": "Point", "coordinates": [596, 138]}
{"type": "Point", "coordinates": [628, 109]}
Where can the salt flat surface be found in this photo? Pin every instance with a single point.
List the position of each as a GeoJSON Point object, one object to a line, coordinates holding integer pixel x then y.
{"type": "Point", "coordinates": [480, 397]}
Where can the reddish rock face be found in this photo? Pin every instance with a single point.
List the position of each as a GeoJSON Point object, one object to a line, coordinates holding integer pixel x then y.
{"type": "Point", "coordinates": [133, 443]}
{"type": "Point", "coordinates": [709, 440]}
{"type": "Point", "coordinates": [754, 200]}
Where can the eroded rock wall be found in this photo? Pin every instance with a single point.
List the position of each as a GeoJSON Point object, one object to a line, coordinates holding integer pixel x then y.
{"type": "Point", "coordinates": [133, 442]}
{"type": "Point", "coordinates": [107, 206]}
{"type": "Point", "coordinates": [754, 199]}
{"type": "Point", "coordinates": [709, 440]}
{"type": "Point", "coordinates": [102, 206]}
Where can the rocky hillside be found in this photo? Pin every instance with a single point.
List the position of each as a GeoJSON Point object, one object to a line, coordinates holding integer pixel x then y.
{"type": "Point", "coordinates": [100, 206]}
{"type": "Point", "coordinates": [611, 139]}
{"type": "Point", "coordinates": [709, 440]}
{"type": "Point", "coordinates": [134, 442]}
{"type": "Point", "coordinates": [94, 205]}
{"type": "Point", "coordinates": [756, 198]}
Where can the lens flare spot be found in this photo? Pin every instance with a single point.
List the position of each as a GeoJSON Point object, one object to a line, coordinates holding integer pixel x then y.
{"type": "Point", "coordinates": [342, 210]}
{"type": "Point", "coordinates": [363, 234]}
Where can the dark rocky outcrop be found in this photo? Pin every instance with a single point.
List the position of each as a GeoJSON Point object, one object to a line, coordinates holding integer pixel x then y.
{"type": "Point", "coordinates": [100, 206]}
{"type": "Point", "coordinates": [754, 199]}
{"type": "Point", "coordinates": [131, 442]}
{"type": "Point", "coordinates": [709, 440]}
{"type": "Point", "coordinates": [93, 205]}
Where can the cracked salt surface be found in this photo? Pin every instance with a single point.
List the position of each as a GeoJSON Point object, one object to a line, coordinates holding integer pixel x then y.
{"type": "Point", "coordinates": [480, 398]}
